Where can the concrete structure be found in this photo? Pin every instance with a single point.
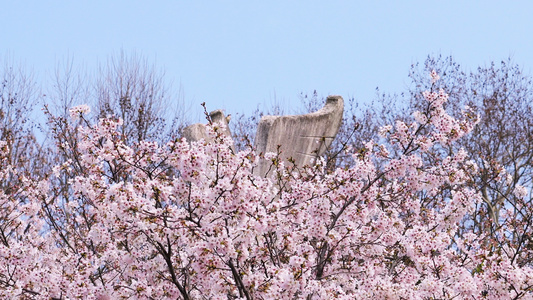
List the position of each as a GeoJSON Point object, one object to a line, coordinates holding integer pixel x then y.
{"type": "Point", "coordinates": [197, 131]}
{"type": "Point", "coordinates": [302, 137]}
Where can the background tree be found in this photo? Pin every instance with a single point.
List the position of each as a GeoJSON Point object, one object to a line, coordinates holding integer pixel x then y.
{"type": "Point", "coordinates": [126, 86]}
{"type": "Point", "coordinates": [135, 91]}
{"type": "Point", "coordinates": [18, 97]}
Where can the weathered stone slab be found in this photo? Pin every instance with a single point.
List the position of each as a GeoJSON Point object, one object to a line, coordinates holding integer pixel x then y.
{"type": "Point", "coordinates": [302, 137]}
{"type": "Point", "coordinates": [198, 131]}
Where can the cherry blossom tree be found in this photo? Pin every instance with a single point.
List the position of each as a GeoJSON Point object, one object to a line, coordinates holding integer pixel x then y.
{"type": "Point", "coordinates": [190, 221]}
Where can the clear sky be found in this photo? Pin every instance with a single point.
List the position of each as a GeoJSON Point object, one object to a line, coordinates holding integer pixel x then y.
{"type": "Point", "coordinates": [237, 55]}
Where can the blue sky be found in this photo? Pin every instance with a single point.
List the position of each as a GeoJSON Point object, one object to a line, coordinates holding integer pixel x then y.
{"type": "Point", "coordinates": [237, 55]}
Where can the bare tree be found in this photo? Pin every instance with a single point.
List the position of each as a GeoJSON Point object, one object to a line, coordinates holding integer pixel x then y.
{"type": "Point", "coordinates": [70, 86]}
{"type": "Point", "coordinates": [134, 90]}
{"type": "Point", "coordinates": [18, 96]}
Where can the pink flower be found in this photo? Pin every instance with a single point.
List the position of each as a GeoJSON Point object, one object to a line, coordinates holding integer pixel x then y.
{"type": "Point", "coordinates": [77, 111]}
{"type": "Point", "coordinates": [520, 191]}
{"type": "Point", "coordinates": [434, 76]}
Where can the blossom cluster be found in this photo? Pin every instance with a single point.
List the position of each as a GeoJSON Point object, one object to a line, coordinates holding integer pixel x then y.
{"type": "Point", "coordinates": [76, 111]}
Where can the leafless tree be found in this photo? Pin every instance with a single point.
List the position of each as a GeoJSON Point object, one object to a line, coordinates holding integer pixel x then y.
{"type": "Point", "coordinates": [18, 97]}
{"type": "Point", "coordinates": [131, 88]}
